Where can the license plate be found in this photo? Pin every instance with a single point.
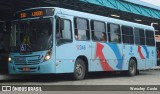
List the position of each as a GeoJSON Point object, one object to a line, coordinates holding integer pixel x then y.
{"type": "Point", "coordinates": [26, 69]}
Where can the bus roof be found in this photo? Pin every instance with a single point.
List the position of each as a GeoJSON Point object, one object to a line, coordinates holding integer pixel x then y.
{"type": "Point", "coordinates": [94, 16]}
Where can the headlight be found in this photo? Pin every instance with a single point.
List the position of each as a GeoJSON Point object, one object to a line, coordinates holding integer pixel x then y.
{"type": "Point", "coordinates": [9, 59]}
{"type": "Point", "coordinates": [48, 56]}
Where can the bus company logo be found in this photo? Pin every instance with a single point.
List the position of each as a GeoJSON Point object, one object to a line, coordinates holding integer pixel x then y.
{"type": "Point", "coordinates": [131, 51]}
{"type": "Point", "coordinates": [22, 59]}
{"type": "Point", "coordinates": [6, 88]}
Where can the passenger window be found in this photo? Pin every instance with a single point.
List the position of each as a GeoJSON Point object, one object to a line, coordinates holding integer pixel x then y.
{"type": "Point", "coordinates": [127, 34]}
{"type": "Point", "coordinates": [81, 29]}
{"type": "Point", "coordinates": [114, 33]}
{"type": "Point", "coordinates": [139, 36]}
{"type": "Point", "coordinates": [98, 31]}
{"type": "Point", "coordinates": [63, 31]}
{"type": "Point", "coordinates": [150, 40]}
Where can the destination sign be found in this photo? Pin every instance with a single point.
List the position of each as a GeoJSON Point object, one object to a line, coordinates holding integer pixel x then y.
{"type": "Point", "coordinates": [34, 13]}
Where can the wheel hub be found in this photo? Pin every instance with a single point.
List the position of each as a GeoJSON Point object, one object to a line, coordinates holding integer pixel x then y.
{"type": "Point", "coordinates": [79, 69]}
{"type": "Point", "coordinates": [132, 67]}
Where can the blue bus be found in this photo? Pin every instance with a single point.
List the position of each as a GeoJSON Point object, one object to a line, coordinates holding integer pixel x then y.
{"type": "Point", "coordinates": [52, 40]}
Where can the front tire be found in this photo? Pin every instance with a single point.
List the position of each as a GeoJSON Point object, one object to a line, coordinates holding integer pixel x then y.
{"type": "Point", "coordinates": [79, 70]}
{"type": "Point", "coordinates": [132, 68]}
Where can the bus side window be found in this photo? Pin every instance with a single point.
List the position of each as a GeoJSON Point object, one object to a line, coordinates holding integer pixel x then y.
{"type": "Point", "coordinates": [63, 31]}
{"type": "Point", "coordinates": [150, 40]}
{"type": "Point", "coordinates": [81, 26]}
{"type": "Point", "coordinates": [98, 30]}
{"type": "Point", "coordinates": [139, 36]}
{"type": "Point", "coordinates": [114, 33]}
{"type": "Point", "coordinates": [127, 34]}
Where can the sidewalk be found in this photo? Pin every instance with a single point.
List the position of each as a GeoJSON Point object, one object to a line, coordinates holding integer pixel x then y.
{"type": "Point", "coordinates": [4, 77]}
{"type": "Point", "coordinates": [156, 68]}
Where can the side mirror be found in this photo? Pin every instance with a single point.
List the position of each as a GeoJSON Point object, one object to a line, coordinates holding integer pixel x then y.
{"type": "Point", "coordinates": [57, 17]}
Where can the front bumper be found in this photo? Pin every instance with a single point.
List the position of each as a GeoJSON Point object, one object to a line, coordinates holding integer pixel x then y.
{"type": "Point", "coordinates": [47, 67]}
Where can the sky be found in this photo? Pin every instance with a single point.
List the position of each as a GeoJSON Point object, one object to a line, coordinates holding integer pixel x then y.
{"type": "Point", "coordinates": [154, 2]}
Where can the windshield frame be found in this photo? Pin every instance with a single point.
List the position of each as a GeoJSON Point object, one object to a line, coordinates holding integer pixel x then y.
{"type": "Point", "coordinates": [29, 19]}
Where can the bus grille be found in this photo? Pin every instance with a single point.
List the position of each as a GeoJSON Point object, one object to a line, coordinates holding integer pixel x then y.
{"type": "Point", "coordinates": [26, 60]}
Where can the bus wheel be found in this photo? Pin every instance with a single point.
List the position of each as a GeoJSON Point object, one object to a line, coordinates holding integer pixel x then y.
{"type": "Point", "coordinates": [132, 68]}
{"type": "Point", "coordinates": [79, 70]}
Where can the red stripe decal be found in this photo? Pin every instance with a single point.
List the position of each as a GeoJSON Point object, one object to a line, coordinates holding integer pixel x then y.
{"type": "Point", "coordinates": [140, 52]}
{"type": "Point", "coordinates": [103, 61]}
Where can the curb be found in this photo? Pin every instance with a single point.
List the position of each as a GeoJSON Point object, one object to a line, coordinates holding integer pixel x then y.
{"type": "Point", "coordinates": [156, 68]}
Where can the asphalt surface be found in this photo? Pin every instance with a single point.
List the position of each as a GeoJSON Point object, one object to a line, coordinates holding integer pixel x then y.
{"type": "Point", "coordinates": [147, 77]}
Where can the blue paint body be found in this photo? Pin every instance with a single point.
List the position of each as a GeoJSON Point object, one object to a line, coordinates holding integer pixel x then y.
{"type": "Point", "coordinates": [147, 53]}
{"type": "Point", "coordinates": [64, 56]}
{"type": "Point", "coordinates": [118, 54]}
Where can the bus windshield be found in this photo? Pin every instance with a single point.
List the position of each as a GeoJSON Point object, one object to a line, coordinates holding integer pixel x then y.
{"type": "Point", "coordinates": [31, 35]}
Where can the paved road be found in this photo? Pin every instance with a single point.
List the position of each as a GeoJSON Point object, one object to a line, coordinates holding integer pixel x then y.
{"type": "Point", "coordinates": [149, 77]}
